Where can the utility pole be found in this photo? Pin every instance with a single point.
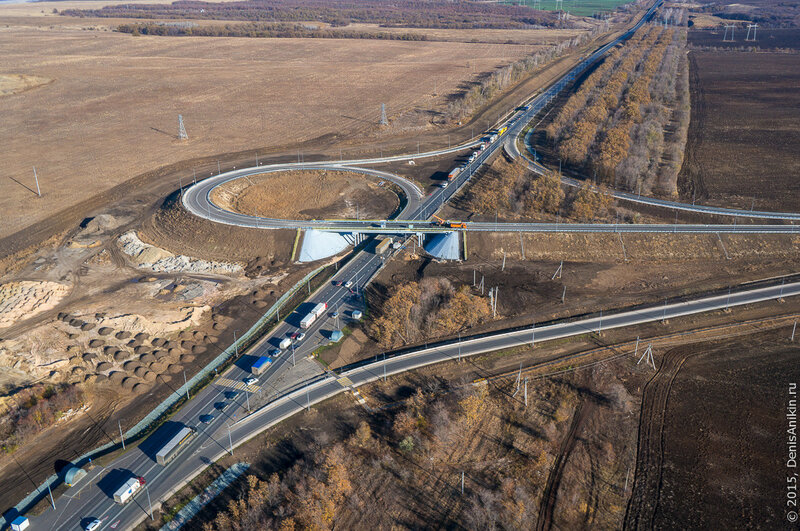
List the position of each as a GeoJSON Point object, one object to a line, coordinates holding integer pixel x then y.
{"type": "Point", "coordinates": [526, 392]}
{"type": "Point", "coordinates": [52, 501]}
{"type": "Point", "coordinates": [293, 360]}
{"type": "Point", "coordinates": [247, 395]}
{"type": "Point", "coordinates": [36, 177]}
{"type": "Point", "coordinates": [186, 385]}
{"type": "Point", "coordinates": [230, 439]}
{"type": "Point", "coordinates": [121, 437]}
{"type": "Point", "coordinates": [794, 329]}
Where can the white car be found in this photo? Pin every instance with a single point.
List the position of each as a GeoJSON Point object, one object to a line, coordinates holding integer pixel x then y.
{"type": "Point", "coordinates": [301, 336]}
{"type": "Point", "coordinates": [94, 524]}
{"type": "Point", "coordinates": [251, 381]}
{"type": "Point", "coordinates": [348, 284]}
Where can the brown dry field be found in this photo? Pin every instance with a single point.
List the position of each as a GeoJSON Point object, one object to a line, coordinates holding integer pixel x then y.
{"type": "Point", "coordinates": [744, 136]}
{"type": "Point", "coordinates": [111, 111]}
{"type": "Point", "coordinates": [307, 195]}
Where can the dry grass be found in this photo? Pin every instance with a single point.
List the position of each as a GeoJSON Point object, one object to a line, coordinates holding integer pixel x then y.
{"type": "Point", "coordinates": [111, 111]}
{"type": "Point", "coordinates": [307, 195]}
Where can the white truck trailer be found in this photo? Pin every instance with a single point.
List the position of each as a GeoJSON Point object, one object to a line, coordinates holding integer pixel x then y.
{"type": "Point", "coordinates": [315, 313]}
{"type": "Point", "coordinates": [126, 492]}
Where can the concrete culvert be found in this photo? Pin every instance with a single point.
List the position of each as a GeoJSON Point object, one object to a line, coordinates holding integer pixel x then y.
{"type": "Point", "coordinates": [122, 335]}
{"type": "Point", "coordinates": [105, 331]}
{"type": "Point", "coordinates": [147, 358]}
{"type": "Point", "coordinates": [104, 366]}
{"type": "Point", "coordinates": [150, 376]}
{"type": "Point", "coordinates": [96, 343]}
{"type": "Point", "coordinates": [87, 326]}
{"type": "Point", "coordinates": [116, 377]}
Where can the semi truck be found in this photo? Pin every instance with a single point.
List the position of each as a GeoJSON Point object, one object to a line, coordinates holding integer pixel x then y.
{"type": "Point", "coordinates": [454, 173]}
{"type": "Point", "coordinates": [173, 447]}
{"type": "Point", "coordinates": [383, 246]}
{"type": "Point", "coordinates": [260, 365]}
{"type": "Point", "coordinates": [315, 313]}
{"type": "Point", "coordinates": [128, 490]}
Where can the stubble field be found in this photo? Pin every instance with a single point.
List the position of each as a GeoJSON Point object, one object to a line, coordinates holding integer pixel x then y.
{"type": "Point", "coordinates": [110, 112]}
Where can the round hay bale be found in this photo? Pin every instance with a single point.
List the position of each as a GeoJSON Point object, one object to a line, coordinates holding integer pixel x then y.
{"type": "Point", "coordinates": [100, 378]}
{"type": "Point", "coordinates": [116, 377]}
{"type": "Point", "coordinates": [87, 326]}
{"type": "Point", "coordinates": [197, 335]}
{"type": "Point", "coordinates": [90, 378]}
{"type": "Point", "coordinates": [158, 342]}
{"type": "Point", "coordinates": [217, 326]}
{"type": "Point", "coordinates": [212, 339]}
{"type": "Point", "coordinates": [141, 336]}
{"type": "Point", "coordinates": [130, 366]}
{"type": "Point", "coordinates": [103, 366]}
{"type": "Point", "coordinates": [75, 360]}
{"type": "Point", "coordinates": [140, 371]}
{"type": "Point", "coordinates": [174, 368]}
{"type": "Point", "coordinates": [147, 358]}
{"type": "Point", "coordinates": [121, 355]}
{"type": "Point", "coordinates": [122, 335]}
{"type": "Point", "coordinates": [150, 376]}
{"type": "Point", "coordinates": [158, 366]}
{"type": "Point", "coordinates": [96, 343]}
{"type": "Point", "coordinates": [78, 370]}
{"type": "Point", "coordinates": [128, 383]}
{"type": "Point", "coordinates": [89, 356]}
{"type": "Point", "coordinates": [105, 331]}
{"type": "Point", "coordinates": [260, 304]}
{"type": "Point", "coordinates": [77, 323]}
{"type": "Point", "coordinates": [140, 349]}
{"type": "Point", "coordinates": [99, 315]}
{"type": "Point", "coordinates": [187, 358]}
{"type": "Point", "coordinates": [170, 344]}
{"type": "Point", "coordinates": [165, 378]}
{"type": "Point", "coordinates": [139, 388]}
{"type": "Point", "coordinates": [185, 334]}
{"type": "Point", "coordinates": [159, 354]}
{"type": "Point", "coordinates": [61, 316]}
{"type": "Point", "coordinates": [173, 351]}
{"type": "Point", "coordinates": [108, 350]}
{"type": "Point", "coordinates": [72, 348]}
{"type": "Point", "coordinates": [187, 345]}
{"type": "Point", "coordinates": [134, 343]}
{"type": "Point", "coordinates": [197, 349]}
{"type": "Point", "coordinates": [72, 335]}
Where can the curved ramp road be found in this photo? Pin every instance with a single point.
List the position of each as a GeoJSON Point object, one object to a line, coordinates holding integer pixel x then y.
{"type": "Point", "coordinates": [214, 440]}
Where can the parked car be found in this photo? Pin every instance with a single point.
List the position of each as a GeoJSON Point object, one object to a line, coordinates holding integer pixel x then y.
{"type": "Point", "coordinates": [275, 352]}
{"type": "Point", "coordinates": [206, 419]}
{"type": "Point", "coordinates": [94, 524]}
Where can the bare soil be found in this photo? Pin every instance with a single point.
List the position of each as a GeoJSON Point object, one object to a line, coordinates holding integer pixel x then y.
{"type": "Point", "coordinates": [712, 438]}
{"type": "Point", "coordinates": [744, 136]}
{"type": "Point", "coordinates": [308, 195]}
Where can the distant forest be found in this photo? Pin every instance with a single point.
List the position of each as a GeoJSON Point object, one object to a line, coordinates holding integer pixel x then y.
{"type": "Point", "coordinates": [261, 30]}
{"type": "Point", "coordinates": [458, 14]}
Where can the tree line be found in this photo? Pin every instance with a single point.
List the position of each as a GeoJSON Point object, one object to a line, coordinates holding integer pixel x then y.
{"type": "Point", "coordinates": [512, 188]}
{"type": "Point", "coordinates": [457, 14]}
{"type": "Point", "coordinates": [614, 124]}
{"type": "Point", "coordinates": [262, 30]}
{"type": "Point", "coordinates": [429, 308]}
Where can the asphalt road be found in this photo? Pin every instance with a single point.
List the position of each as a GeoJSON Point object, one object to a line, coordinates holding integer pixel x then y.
{"type": "Point", "coordinates": [212, 442]}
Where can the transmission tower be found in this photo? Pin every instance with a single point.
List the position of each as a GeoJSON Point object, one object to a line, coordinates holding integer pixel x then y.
{"type": "Point", "coordinates": [754, 27]}
{"type": "Point", "coordinates": [648, 356]}
{"type": "Point", "coordinates": [181, 129]}
{"type": "Point", "coordinates": [559, 5]}
{"type": "Point", "coordinates": [384, 120]}
{"type": "Point", "coordinates": [725, 36]}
